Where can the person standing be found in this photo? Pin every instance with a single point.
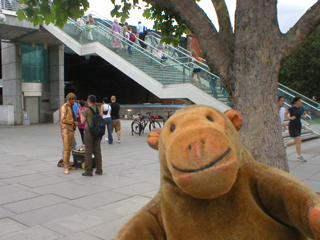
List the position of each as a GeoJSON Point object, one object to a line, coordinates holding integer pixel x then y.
{"type": "Point", "coordinates": [68, 126]}
{"type": "Point", "coordinates": [105, 112]}
{"type": "Point", "coordinates": [81, 126]}
{"type": "Point", "coordinates": [294, 113]}
{"type": "Point", "coordinates": [92, 143]}
{"type": "Point", "coordinates": [75, 110]}
{"type": "Point", "coordinates": [282, 111]}
{"type": "Point", "coordinates": [116, 124]}
{"type": "Point", "coordinates": [141, 34]}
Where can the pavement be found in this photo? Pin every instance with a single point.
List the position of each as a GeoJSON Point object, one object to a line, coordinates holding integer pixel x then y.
{"type": "Point", "coordinates": [37, 201]}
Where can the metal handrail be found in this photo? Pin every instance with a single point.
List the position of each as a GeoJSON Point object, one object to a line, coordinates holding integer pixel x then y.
{"type": "Point", "coordinates": [123, 39]}
{"type": "Point", "coordinates": [301, 100]}
{"type": "Point", "coordinates": [299, 94]}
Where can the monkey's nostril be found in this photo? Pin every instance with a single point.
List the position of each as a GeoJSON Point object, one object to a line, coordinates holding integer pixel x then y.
{"type": "Point", "coordinates": [202, 142]}
{"type": "Point", "coordinates": [190, 147]}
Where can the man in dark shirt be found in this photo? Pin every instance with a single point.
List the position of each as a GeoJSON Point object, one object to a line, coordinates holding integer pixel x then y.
{"type": "Point", "coordinates": [115, 107]}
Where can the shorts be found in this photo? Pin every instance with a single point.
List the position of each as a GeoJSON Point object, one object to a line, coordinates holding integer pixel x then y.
{"type": "Point", "coordinates": [116, 125]}
{"type": "Point", "coordinates": [294, 131]}
{"type": "Point", "coordinates": [195, 70]}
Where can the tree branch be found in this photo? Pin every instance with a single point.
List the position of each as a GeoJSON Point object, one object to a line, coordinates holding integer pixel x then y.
{"type": "Point", "coordinates": [225, 28]}
{"type": "Point", "coordinates": [305, 26]}
{"type": "Point", "coordinates": [209, 38]}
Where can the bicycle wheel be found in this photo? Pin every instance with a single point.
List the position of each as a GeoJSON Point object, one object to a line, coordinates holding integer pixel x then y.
{"type": "Point", "coordinates": [135, 127]}
{"type": "Point", "coordinates": [143, 125]}
{"type": "Point", "coordinates": [154, 125]}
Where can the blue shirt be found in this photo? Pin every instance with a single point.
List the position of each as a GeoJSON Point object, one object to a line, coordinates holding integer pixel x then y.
{"type": "Point", "coordinates": [75, 109]}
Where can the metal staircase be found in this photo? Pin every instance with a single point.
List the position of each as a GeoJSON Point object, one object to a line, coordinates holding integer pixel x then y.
{"type": "Point", "coordinates": [172, 77]}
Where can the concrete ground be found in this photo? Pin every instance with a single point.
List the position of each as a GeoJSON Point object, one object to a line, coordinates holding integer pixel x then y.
{"type": "Point", "coordinates": [37, 201]}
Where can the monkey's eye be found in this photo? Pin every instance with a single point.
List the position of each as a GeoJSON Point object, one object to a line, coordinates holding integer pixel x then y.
{"type": "Point", "coordinates": [210, 118]}
{"type": "Point", "coordinates": [172, 128]}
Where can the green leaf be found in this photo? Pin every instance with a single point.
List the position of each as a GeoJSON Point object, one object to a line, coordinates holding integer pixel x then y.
{"type": "Point", "coordinates": [20, 15]}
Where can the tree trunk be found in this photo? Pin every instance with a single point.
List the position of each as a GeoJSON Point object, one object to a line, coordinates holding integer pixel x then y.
{"type": "Point", "coordinates": [255, 74]}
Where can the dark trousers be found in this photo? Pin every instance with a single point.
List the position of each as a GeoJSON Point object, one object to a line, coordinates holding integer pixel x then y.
{"type": "Point", "coordinates": [81, 130]}
{"type": "Point", "coordinates": [92, 147]}
{"type": "Point", "coordinates": [142, 37]}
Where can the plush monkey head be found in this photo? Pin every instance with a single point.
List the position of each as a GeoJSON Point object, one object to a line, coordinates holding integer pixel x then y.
{"type": "Point", "coordinates": [199, 149]}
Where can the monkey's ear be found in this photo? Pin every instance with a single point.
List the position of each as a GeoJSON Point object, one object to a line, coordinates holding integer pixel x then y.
{"type": "Point", "coordinates": [153, 138]}
{"type": "Point", "coordinates": [235, 117]}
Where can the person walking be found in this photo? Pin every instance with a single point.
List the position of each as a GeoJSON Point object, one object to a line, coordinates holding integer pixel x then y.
{"type": "Point", "coordinates": [125, 29]}
{"type": "Point", "coordinates": [105, 112]}
{"type": "Point", "coordinates": [116, 124]}
{"type": "Point", "coordinates": [92, 143]}
{"type": "Point", "coordinates": [128, 34]}
{"type": "Point", "coordinates": [89, 26]}
{"type": "Point", "coordinates": [81, 126]}
{"type": "Point", "coordinates": [68, 125]}
{"type": "Point", "coordinates": [294, 113]}
{"type": "Point", "coordinates": [196, 69]}
{"type": "Point", "coordinates": [141, 34]}
{"type": "Point", "coordinates": [115, 41]}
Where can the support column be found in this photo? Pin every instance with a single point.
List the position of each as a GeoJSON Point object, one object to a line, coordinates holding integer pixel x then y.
{"type": "Point", "coordinates": [12, 78]}
{"type": "Point", "coordinates": [56, 76]}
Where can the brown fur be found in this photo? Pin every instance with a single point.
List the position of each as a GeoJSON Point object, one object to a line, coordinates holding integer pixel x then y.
{"type": "Point", "coordinates": [211, 187]}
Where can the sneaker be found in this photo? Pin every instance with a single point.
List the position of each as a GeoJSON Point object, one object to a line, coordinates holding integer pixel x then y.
{"type": "Point", "coordinates": [107, 139]}
{"type": "Point", "coordinates": [119, 141]}
{"type": "Point", "coordinates": [301, 159]}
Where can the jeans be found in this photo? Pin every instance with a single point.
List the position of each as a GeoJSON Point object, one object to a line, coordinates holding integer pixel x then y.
{"type": "Point", "coordinates": [130, 48]}
{"type": "Point", "coordinates": [108, 122]}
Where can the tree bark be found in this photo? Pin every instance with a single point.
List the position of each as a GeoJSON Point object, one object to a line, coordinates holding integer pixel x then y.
{"type": "Point", "coordinates": [256, 67]}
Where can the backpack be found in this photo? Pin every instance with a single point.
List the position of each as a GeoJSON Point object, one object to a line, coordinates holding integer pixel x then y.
{"type": "Point", "coordinates": [132, 37]}
{"type": "Point", "coordinates": [98, 126]}
{"type": "Point", "coordinates": [145, 30]}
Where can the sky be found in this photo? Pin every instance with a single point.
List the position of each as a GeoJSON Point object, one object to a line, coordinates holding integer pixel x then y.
{"type": "Point", "coordinates": [289, 11]}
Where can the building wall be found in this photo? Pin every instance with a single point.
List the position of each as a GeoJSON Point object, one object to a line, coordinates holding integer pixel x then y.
{"type": "Point", "coordinates": [12, 82]}
{"type": "Point", "coordinates": [27, 78]}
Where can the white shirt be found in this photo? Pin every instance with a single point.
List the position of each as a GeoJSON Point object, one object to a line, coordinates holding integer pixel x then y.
{"type": "Point", "coordinates": [140, 28]}
{"type": "Point", "coordinates": [281, 114]}
{"type": "Point", "coordinates": [105, 108]}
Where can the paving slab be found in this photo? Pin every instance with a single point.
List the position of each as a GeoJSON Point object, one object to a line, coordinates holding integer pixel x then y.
{"type": "Point", "coordinates": [8, 225]}
{"type": "Point", "coordinates": [33, 233]}
{"type": "Point", "coordinates": [38, 201]}
{"type": "Point", "coordinates": [81, 221]}
{"type": "Point", "coordinates": [34, 203]}
{"type": "Point", "coordinates": [46, 214]}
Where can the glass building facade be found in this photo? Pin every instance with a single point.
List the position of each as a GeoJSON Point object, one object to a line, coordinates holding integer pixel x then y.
{"type": "Point", "coordinates": [35, 64]}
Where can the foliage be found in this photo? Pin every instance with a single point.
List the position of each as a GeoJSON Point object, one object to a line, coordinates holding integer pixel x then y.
{"type": "Point", "coordinates": [165, 20]}
{"type": "Point", "coordinates": [57, 12]}
{"type": "Point", "coordinates": [301, 71]}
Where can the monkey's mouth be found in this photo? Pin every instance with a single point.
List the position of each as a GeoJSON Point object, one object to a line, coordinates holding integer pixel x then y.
{"type": "Point", "coordinates": [202, 168]}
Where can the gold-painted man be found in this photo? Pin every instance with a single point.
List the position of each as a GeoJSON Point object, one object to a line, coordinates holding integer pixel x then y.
{"type": "Point", "coordinates": [68, 126]}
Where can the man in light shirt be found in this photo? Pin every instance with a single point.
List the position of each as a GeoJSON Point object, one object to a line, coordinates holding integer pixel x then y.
{"type": "Point", "coordinates": [281, 112]}
{"type": "Point", "coordinates": [141, 34]}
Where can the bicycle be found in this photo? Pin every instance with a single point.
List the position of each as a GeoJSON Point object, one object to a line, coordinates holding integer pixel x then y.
{"type": "Point", "coordinates": [138, 126]}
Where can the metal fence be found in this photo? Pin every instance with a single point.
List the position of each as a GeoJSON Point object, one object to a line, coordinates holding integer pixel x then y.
{"type": "Point", "coordinates": [10, 5]}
